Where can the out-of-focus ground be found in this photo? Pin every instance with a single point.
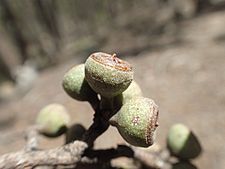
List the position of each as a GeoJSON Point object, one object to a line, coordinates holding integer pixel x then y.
{"type": "Point", "coordinates": [186, 79]}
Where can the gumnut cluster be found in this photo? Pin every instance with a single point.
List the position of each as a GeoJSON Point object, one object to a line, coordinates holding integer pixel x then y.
{"type": "Point", "coordinates": [108, 80]}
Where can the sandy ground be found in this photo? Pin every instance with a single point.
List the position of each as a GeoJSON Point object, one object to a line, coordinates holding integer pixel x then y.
{"type": "Point", "coordinates": [186, 80]}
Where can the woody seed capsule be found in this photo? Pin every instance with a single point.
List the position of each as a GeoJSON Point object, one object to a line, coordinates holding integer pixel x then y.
{"type": "Point", "coordinates": [182, 142]}
{"type": "Point", "coordinates": [53, 120]}
{"type": "Point", "coordinates": [136, 121]}
{"type": "Point", "coordinates": [76, 86]}
{"type": "Point", "coordinates": [107, 74]}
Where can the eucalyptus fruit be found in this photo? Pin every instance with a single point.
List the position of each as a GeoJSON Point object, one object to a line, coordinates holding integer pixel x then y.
{"type": "Point", "coordinates": [131, 92]}
{"type": "Point", "coordinates": [107, 74]}
{"type": "Point", "coordinates": [76, 86]}
{"type": "Point", "coordinates": [136, 121]}
{"type": "Point", "coordinates": [182, 143]}
{"type": "Point", "coordinates": [53, 120]}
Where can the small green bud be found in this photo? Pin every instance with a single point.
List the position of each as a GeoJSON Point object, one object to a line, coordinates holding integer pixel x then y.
{"type": "Point", "coordinates": [107, 74]}
{"type": "Point", "coordinates": [182, 143]}
{"type": "Point", "coordinates": [136, 121]}
{"type": "Point", "coordinates": [53, 120]}
{"type": "Point", "coordinates": [183, 165]}
{"type": "Point", "coordinates": [76, 86]}
{"type": "Point", "coordinates": [75, 132]}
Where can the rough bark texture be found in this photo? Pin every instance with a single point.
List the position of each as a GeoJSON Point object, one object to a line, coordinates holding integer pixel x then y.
{"type": "Point", "coordinates": [68, 155]}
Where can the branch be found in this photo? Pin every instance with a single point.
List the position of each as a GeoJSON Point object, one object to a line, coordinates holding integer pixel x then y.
{"type": "Point", "coordinates": [68, 155]}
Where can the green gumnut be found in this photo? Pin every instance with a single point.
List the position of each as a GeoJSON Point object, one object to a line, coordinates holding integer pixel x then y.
{"type": "Point", "coordinates": [136, 121]}
{"type": "Point", "coordinates": [132, 91]}
{"type": "Point", "coordinates": [76, 86]}
{"type": "Point", "coordinates": [53, 120]}
{"type": "Point", "coordinates": [182, 143]}
{"type": "Point", "coordinates": [75, 132]}
{"type": "Point", "coordinates": [183, 165]}
{"type": "Point", "coordinates": [107, 74]}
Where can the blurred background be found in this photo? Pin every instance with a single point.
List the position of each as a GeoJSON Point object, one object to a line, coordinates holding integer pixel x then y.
{"type": "Point", "coordinates": [177, 48]}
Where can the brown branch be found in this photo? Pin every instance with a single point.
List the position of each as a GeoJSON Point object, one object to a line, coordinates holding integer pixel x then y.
{"type": "Point", "coordinates": [68, 155]}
